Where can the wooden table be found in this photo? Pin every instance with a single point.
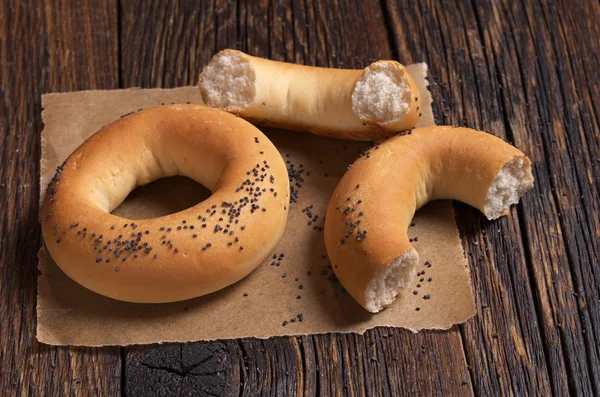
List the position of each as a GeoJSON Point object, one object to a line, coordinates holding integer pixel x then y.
{"type": "Point", "coordinates": [525, 70]}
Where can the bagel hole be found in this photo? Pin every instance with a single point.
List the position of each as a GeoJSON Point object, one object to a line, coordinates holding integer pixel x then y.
{"type": "Point", "coordinates": [227, 82]}
{"type": "Point", "coordinates": [383, 93]}
{"type": "Point", "coordinates": [162, 197]}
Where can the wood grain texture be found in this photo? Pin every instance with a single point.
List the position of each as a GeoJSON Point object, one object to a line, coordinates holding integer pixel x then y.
{"type": "Point", "coordinates": [525, 70]}
{"type": "Point", "coordinates": [63, 46]}
{"type": "Point", "coordinates": [504, 67]}
{"type": "Point", "coordinates": [467, 91]}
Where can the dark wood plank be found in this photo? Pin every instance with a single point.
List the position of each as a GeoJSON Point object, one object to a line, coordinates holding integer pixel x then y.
{"type": "Point", "coordinates": [522, 71]}
{"type": "Point", "coordinates": [337, 34]}
{"type": "Point", "coordinates": [503, 344]}
{"type": "Point", "coordinates": [178, 36]}
{"type": "Point", "coordinates": [556, 221]}
{"type": "Point", "coordinates": [57, 46]}
{"type": "Point", "coordinates": [563, 131]}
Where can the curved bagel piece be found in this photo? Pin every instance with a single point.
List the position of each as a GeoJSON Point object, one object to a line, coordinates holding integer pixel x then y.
{"type": "Point", "coordinates": [179, 256]}
{"type": "Point", "coordinates": [373, 204]}
{"type": "Point", "coordinates": [369, 104]}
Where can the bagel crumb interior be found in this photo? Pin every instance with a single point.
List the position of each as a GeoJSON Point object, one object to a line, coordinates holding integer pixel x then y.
{"type": "Point", "coordinates": [382, 94]}
{"type": "Point", "coordinates": [227, 82]}
{"type": "Point", "coordinates": [386, 284]}
{"type": "Point", "coordinates": [513, 180]}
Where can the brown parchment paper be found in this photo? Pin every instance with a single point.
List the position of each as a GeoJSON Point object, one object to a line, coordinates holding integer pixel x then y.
{"type": "Point", "coordinates": [69, 314]}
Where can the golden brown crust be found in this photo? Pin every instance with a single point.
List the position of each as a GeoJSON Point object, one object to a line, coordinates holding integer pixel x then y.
{"type": "Point", "coordinates": [314, 99]}
{"type": "Point", "coordinates": [182, 255]}
{"type": "Point", "coordinates": [370, 210]}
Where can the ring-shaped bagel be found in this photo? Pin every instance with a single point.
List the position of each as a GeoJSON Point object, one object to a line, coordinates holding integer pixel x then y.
{"type": "Point", "coordinates": [183, 255]}
{"type": "Point", "coordinates": [372, 206]}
